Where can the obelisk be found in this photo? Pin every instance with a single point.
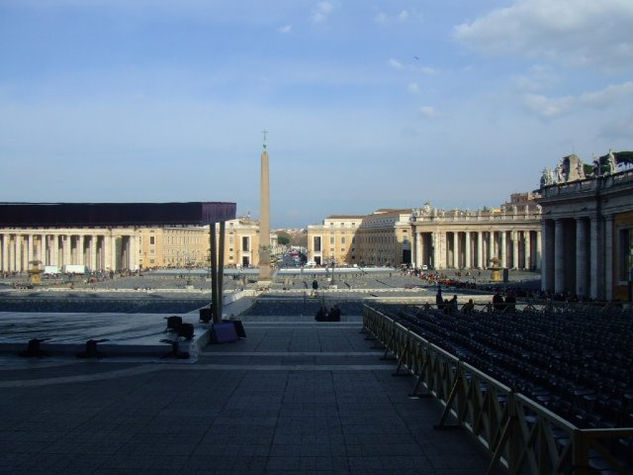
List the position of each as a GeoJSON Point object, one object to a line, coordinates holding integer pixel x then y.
{"type": "Point", "coordinates": [264, 219]}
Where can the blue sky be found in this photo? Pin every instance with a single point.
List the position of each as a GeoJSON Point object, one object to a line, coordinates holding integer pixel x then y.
{"type": "Point", "coordinates": [369, 104]}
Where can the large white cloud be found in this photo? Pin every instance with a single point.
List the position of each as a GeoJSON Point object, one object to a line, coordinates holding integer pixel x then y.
{"type": "Point", "coordinates": [551, 107]}
{"type": "Point", "coordinates": [321, 12]}
{"type": "Point", "coordinates": [574, 32]}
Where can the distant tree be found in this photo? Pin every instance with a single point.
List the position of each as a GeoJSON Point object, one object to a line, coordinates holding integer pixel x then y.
{"type": "Point", "coordinates": [299, 239]}
{"type": "Point", "coordinates": [283, 238]}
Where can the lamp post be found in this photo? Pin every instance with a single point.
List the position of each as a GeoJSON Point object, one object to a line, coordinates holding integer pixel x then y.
{"type": "Point", "coordinates": [333, 265]}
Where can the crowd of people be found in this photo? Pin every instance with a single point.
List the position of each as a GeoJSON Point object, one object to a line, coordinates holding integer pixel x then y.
{"type": "Point", "coordinates": [325, 315]}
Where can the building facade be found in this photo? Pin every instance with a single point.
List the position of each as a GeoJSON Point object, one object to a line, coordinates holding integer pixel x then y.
{"type": "Point", "coordinates": [334, 241]}
{"type": "Point", "coordinates": [127, 248]}
{"type": "Point", "coordinates": [96, 248]}
{"type": "Point", "coordinates": [434, 238]}
{"type": "Point", "coordinates": [508, 237]}
{"type": "Point", "coordinates": [384, 238]}
{"type": "Point", "coordinates": [587, 228]}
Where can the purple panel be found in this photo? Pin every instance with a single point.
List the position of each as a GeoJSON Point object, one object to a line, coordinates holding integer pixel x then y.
{"type": "Point", "coordinates": [224, 333]}
{"type": "Point", "coordinates": [114, 214]}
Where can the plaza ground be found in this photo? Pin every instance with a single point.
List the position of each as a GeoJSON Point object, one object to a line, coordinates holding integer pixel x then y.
{"type": "Point", "coordinates": [295, 396]}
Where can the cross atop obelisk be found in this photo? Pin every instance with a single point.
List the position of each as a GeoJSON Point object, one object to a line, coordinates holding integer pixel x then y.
{"type": "Point", "coordinates": [264, 217]}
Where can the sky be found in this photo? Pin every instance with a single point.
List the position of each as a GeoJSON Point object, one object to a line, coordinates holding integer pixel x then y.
{"type": "Point", "coordinates": [368, 104]}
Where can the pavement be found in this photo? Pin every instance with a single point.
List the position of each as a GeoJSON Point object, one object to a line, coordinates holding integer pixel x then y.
{"type": "Point", "coordinates": [295, 396]}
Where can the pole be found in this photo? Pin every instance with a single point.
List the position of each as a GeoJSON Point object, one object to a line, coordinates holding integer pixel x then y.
{"type": "Point", "coordinates": [214, 275]}
{"type": "Point", "coordinates": [220, 270]}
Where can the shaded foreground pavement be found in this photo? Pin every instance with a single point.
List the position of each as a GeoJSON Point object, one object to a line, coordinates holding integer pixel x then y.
{"type": "Point", "coordinates": [296, 396]}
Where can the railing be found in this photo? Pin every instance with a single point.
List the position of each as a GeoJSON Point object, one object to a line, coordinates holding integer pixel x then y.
{"type": "Point", "coordinates": [589, 184]}
{"type": "Point", "coordinates": [519, 433]}
{"type": "Point", "coordinates": [469, 217]}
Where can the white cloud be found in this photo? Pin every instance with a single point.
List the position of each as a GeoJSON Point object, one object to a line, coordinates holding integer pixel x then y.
{"type": "Point", "coordinates": [548, 107]}
{"type": "Point", "coordinates": [537, 78]}
{"type": "Point", "coordinates": [401, 17]}
{"type": "Point", "coordinates": [413, 88]}
{"type": "Point", "coordinates": [607, 96]}
{"type": "Point", "coordinates": [578, 33]}
{"type": "Point", "coordinates": [284, 29]}
{"type": "Point", "coordinates": [381, 17]}
{"type": "Point", "coordinates": [394, 63]}
{"type": "Point", "coordinates": [411, 66]}
{"type": "Point", "coordinates": [552, 107]}
{"type": "Point", "coordinates": [321, 11]}
{"type": "Point", "coordinates": [429, 112]}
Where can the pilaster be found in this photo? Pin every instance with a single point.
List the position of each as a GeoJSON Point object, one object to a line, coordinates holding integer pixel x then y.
{"type": "Point", "coordinates": [559, 256]}
{"type": "Point", "coordinates": [608, 257]}
{"type": "Point", "coordinates": [480, 237]}
{"type": "Point", "coordinates": [581, 257]}
{"type": "Point", "coordinates": [467, 258]}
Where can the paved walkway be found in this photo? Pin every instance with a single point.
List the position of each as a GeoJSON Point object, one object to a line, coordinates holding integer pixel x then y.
{"type": "Point", "coordinates": [294, 397]}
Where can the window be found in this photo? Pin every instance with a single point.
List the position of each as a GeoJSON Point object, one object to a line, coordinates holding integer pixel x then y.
{"type": "Point", "coordinates": [343, 240]}
{"type": "Point", "coordinates": [152, 239]}
{"type": "Point", "coordinates": [317, 243]}
{"type": "Point", "coordinates": [332, 240]}
{"type": "Point", "coordinates": [245, 244]}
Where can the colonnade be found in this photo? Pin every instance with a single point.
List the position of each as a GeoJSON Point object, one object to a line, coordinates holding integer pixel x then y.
{"type": "Point", "coordinates": [578, 251]}
{"type": "Point", "coordinates": [97, 251]}
{"type": "Point", "coordinates": [440, 249]}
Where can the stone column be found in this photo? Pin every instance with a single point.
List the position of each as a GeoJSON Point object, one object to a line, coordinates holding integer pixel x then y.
{"type": "Point", "coordinates": [80, 249]}
{"type": "Point", "coordinates": [491, 246]}
{"type": "Point", "coordinates": [559, 256]}
{"type": "Point", "coordinates": [113, 253]}
{"type": "Point", "coordinates": [5, 252]}
{"type": "Point", "coordinates": [94, 242]}
{"type": "Point", "coordinates": [547, 262]}
{"type": "Point", "coordinates": [107, 252]}
{"type": "Point", "coordinates": [467, 263]}
{"type": "Point", "coordinates": [456, 250]}
{"type": "Point", "coordinates": [515, 249]}
{"type": "Point", "coordinates": [18, 253]}
{"type": "Point", "coordinates": [133, 253]}
{"type": "Point", "coordinates": [504, 250]}
{"type": "Point", "coordinates": [66, 259]}
{"type": "Point", "coordinates": [419, 250]}
{"type": "Point", "coordinates": [42, 249]}
{"type": "Point", "coordinates": [413, 262]}
{"type": "Point", "coordinates": [29, 252]}
{"type": "Point", "coordinates": [527, 243]}
{"type": "Point", "coordinates": [595, 256]}
{"type": "Point", "coordinates": [539, 250]}
{"type": "Point", "coordinates": [608, 257]}
{"type": "Point", "coordinates": [480, 237]}
{"type": "Point", "coordinates": [436, 250]}
{"type": "Point", "coordinates": [581, 257]}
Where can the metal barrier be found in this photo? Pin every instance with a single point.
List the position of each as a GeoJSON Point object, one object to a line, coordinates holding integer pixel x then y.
{"type": "Point", "coordinates": [519, 433]}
